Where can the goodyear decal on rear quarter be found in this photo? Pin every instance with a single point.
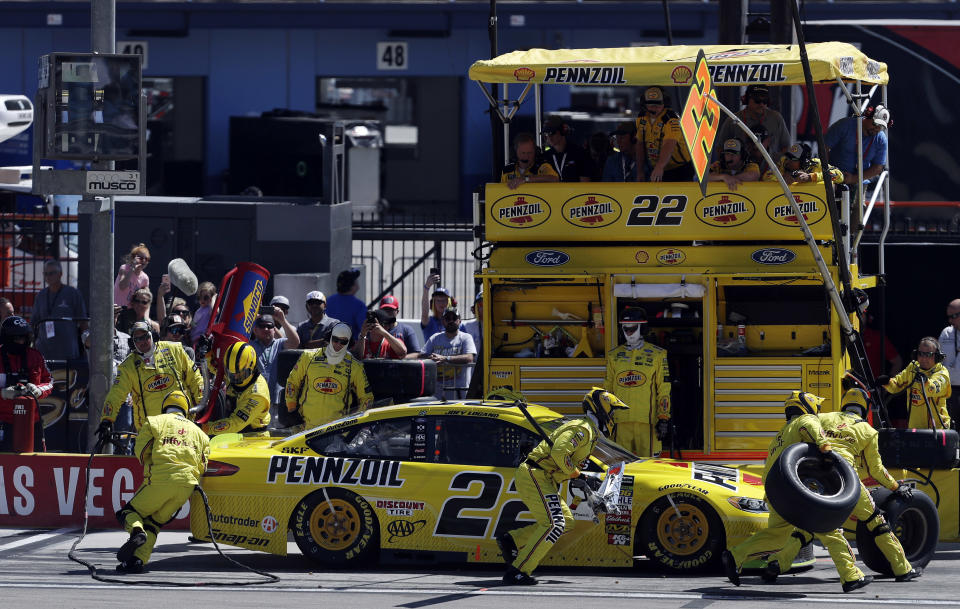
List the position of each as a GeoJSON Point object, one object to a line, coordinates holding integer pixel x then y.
{"type": "Point", "coordinates": [781, 211]}
{"type": "Point", "coordinates": [330, 470]}
{"type": "Point", "coordinates": [327, 385]}
{"type": "Point", "coordinates": [520, 211]}
{"type": "Point", "coordinates": [591, 211]}
{"type": "Point", "coordinates": [670, 256]}
{"type": "Point", "coordinates": [631, 378]}
{"type": "Point", "coordinates": [159, 382]}
{"type": "Point", "coordinates": [725, 209]}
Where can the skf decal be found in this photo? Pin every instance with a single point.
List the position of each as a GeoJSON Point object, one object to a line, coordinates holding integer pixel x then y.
{"type": "Point", "coordinates": [547, 258]}
{"type": "Point", "coordinates": [591, 75]}
{"type": "Point", "coordinates": [781, 211]}
{"type": "Point", "coordinates": [720, 475]}
{"type": "Point", "coordinates": [524, 74]}
{"type": "Point", "coordinates": [670, 256]}
{"type": "Point", "coordinates": [725, 209]}
{"type": "Point", "coordinates": [747, 72]}
{"type": "Point", "coordinates": [403, 528]}
{"type": "Point", "coordinates": [773, 255]}
{"type": "Point", "coordinates": [681, 75]}
{"type": "Point", "coordinates": [631, 378]}
{"type": "Point", "coordinates": [294, 450]}
{"type": "Point", "coordinates": [591, 211]}
{"type": "Point", "coordinates": [641, 257]}
{"type": "Point", "coordinates": [327, 385]}
{"type": "Point", "coordinates": [159, 382]}
{"type": "Point", "coordinates": [520, 211]}
{"type": "Point", "coordinates": [329, 470]}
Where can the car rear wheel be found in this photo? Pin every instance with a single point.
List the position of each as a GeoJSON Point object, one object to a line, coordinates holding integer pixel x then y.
{"type": "Point", "coordinates": [680, 532]}
{"type": "Point", "coordinates": [916, 524]}
{"type": "Point", "coordinates": [335, 527]}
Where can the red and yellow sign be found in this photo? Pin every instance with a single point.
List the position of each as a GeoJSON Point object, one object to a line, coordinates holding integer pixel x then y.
{"type": "Point", "coordinates": [700, 120]}
{"type": "Point", "coordinates": [327, 385]}
{"type": "Point", "coordinates": [591, 210]}
{"type": "Point", "coordinates": [725, 209]}
{"type": "Point", "coordinates": [520, 211]}
{"type": "Point", "coordinates": [631, 378]}
{"type": "Point", "coordinates": [782, 212]}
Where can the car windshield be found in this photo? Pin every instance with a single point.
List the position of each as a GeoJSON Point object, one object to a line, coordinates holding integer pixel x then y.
{"type": "Point", "coordinates": [606, 451]}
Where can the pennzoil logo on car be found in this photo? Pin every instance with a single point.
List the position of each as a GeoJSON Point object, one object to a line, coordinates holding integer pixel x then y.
{"type": "Point", "coordinates": [631, 378]}
{"type": "Point", "coordinates": [781, 211]}
{"type": "Point", "coordinates": [591, 211]}
{"type": "Point", "coordinates": [327, 385]}
{"type": "Point", "coordinates": [159, 382]}
{"type": "Point", "coordinates": [773, 255]}
{"type": "Point", "coordinates": [520, 211]}
{"type": "Point", "coordinates": [670, 256]}
{"type": "Point", "coordinates": [547, 258]}
{"type": "Point", "coordinates": [725, 209]}
{"type": "Point", "coordinates": [334, 470]}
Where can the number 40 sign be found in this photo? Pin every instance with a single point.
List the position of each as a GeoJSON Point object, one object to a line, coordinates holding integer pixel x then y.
{"type": "Point", "coordinates": [700, 120]}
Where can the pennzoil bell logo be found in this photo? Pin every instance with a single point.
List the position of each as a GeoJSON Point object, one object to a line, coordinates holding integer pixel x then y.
{"type": "Point", "coordinates": [773, 255]}
{"type": "Point", "coordinates": [631, 378]}
{"type": "Point", "coordinates": [671, 256]}
{"type": "Point", "coordinates": [591, 211]}
{"type": "Point", "coordinates": [781, 211]}
{"type": "Point", "coordinates": [725, 209]}
{"type": "Point", "coordinates": [520, 211]}
{"type": "Point", "coordinates": [547, 258]}
{"type": "Point", "coordinates": [159, 382]}
{"type": "Point", "coordinates": [327, 385]}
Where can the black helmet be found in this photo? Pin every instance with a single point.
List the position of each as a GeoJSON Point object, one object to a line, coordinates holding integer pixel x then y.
{"type": "Point", "coordinates": [633, 315]}
{"type": "Point", "coordinates": [14, 326]}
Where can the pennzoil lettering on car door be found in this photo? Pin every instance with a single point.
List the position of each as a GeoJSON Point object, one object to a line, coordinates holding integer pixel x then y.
{"type": "Point", "coordinates": [344, 471]}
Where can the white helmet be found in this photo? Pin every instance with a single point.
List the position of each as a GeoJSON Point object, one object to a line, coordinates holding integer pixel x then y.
{"type": "Point", "coordinates": [336, 351]}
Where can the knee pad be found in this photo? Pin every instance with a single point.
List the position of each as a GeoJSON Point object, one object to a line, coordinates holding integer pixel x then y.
{"type": "Point", "coordinates": [883, 529]}
{"type": "Point", "coordinates": [123, 512]}
{"type": "Point", "coordinates": [877, 512]}
{"type": "Point", "coordinates": [803, 540]}
{"type": "Point", "coordinates": [152, 525]}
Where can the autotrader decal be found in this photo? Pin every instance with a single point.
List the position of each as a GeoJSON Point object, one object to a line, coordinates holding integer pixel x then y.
{"type": "Point", "coordinates": [334, 470]}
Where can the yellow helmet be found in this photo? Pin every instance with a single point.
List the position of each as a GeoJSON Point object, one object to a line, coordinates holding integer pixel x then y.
{"type": "Point", "coordinates": [240, 363]}
{"type": "Point", "coordinates": [506, 393]}
{"type": "Point", "coordinates": [857, 401]}
{"type": "Point", "coordinates": [801, 402]}
{"type": "Point", "coordinates": [174, 401]}
{"type": "Point", "coordinates": [600, 404]}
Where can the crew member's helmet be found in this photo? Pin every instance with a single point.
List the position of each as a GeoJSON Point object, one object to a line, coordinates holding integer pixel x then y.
{"type": "Point", "coordinates": [14, 326]}
{"type": "Point", "coordinates": [855, 400]}
{"type": "Point", "coordinates": [239, 363]}
{"type": "Point", "coordinates": [175, 401]}
{"type": "Point", "coordinates": [507, 394]}
{"type": "Point", "coordinates": [599, 405]}
{"type": "Point", "coordinates": [800, 403]}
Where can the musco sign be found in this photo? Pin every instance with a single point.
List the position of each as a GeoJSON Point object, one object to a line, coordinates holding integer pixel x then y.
{"type": "Point", "coordinates": [112, 183]}
{"type": "Point", "coordinates": [520, 211]}
{"type": "Point", "coordinates": [725, 209]}
{"type": "Point", "coordinates": [781, 211]}
{"type": "Point", "coordinates": [591, 211]}
{"type": "Point", "coordinates": [589, 75]}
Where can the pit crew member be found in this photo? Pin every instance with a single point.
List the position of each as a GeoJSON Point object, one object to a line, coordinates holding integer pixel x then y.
{"type": "Point", "coordinates": [733, 168]}
{"type": "Point", "coordinates": [528, 167]}
{"type": "Point", "coordinates": [797, 167]}
{"type": "Point", "coordinates": [23, 372]}
{"type": "Point", "coordinates": [925, 377]}
{"type": "Point", "coordinates": [661, 150]}
{"type": "Point", "coordinates": [247, 393]}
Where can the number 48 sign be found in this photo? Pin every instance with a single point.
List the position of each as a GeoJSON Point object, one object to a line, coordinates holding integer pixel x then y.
{"type": "Point", "coordinates": [392, 56]}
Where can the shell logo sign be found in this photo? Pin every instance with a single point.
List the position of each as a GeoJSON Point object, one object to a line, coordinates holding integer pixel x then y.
{"type": "Point", "coordinates": [159, 382]}
{"type": "Point", "coordinates": [631, 378]}
{"type": "Point", "coordinates": [591, 211]}
{"type": "Point", "coordinates": [725, 209]}
{"type": "Point", "coordinates": [681, 75]}
{"type": "Point", "coordinates": [327, 385]}
{"type": "Point", "coordinates": [520, 211]}
{"type": "Point", "coordinates": [641, 257]}
{"type": "Point", "coordinates": [524, 74]}
{"type": "Point", "coordinates": [781, 211]}
{"type": "Point", "coordinates": [671, 256]}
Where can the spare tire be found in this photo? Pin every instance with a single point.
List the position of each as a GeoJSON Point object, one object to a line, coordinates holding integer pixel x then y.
{"type": "Point", "coordinates": [915, 522]}
{"type": "Point", "coordinates": [401, 379]}
{"type": "Point", "coordinates": [916, 448]}
{"type": "Point", "coordinates": [810, 491]}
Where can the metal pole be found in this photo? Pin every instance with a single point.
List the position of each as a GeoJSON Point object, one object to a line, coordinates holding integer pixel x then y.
{"type": "Point", "coordinates": [103, 40]}
{"type": "Point", "coordinates": [496, 126]}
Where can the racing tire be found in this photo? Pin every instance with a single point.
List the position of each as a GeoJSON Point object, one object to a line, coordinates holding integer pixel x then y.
{"type": "Point", "coordinates": [402, 380]}
{"type": "Point", "coordinates": [341, 531]}
{"type": "Point", "coordinates": [684, 536]}
{"type": "Point", "coordinates": [810, 492]}
{"type": "Point", "coordinates": [916, 524]}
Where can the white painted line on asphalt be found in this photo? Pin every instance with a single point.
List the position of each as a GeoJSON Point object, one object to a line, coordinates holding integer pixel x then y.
{"type": "Point", "coordinates": [35, 539]}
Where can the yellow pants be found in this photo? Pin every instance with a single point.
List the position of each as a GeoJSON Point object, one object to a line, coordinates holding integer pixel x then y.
{"type": "Point", "coordinates": [153, 506]}
{"type": "Point", "coordinates": [541, 496]}
{"type": "Point", "coordinates": [638, 438]}
{"type": "Point", "coordinates": [778, 542]}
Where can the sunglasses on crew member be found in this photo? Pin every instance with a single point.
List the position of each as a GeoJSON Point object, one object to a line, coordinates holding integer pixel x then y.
{"type": "Point", "coordinates": [139, 338]}
{"type": "Point", "coordinates": [926, 353]}
{"type": "Point", "coordinates": [953, 315]}
{"type": "Point", "coordinates": [176, 330]}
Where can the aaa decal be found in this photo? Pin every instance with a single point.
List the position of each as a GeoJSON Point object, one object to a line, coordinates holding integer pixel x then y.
{"type": "Point", "coordinates": [781, 211]}
{"type": "Point", "coordinates": [327, 385]}
{"type": "Point", "coordinates": [520, 211]}
{"type": "Point", "coordinates": [725, 209]}
{"type": "Point", "coordinates": [403, 528]}
{"type": "Point", "coordinates": [591, 211]}
{"type": "Point", "coordinates": [671, 256]}
{"type": "Point", "coordinates": [631, 378]}
{"type": "Point", "coordinates": [159, 382]}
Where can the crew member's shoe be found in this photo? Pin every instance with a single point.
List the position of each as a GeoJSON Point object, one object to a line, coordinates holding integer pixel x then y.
{"type": "Point", "coordinates": [770, 572]}
{"type": "Point", "coordinates": [730, 567]}
{"type": "Point", "coordinates": [134, 565]}
{"type": "Point", "coordinates": [911, 574]}
{"type": "Point", "coordinates": [857, 583]}
{"type": "Point", "coordinates": [516, 577]}
{"type": "Point", "coordinates": [138, 537]}
{"type": "Point", "coordinates": [507, 547]}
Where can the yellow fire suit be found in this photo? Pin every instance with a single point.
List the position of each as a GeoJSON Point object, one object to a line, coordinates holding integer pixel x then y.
{"type": "Point", "coordinates": [148, 381]}
{"type": "Point", "coordinates": [173, 451]}
{"type": "Point", "coordinates": [251, 413]}
{"type": "Point", "coordinates": [321, 391]}
{"type": "Point", "coordinates": [651, 131]}
{"type": "Point", "coordinates": [640, 377]}
{"type": "Point", "coordinates": [815, 169]}
{"type": "Point", "coordinates": [538, 481]}
{"type": "Point", "coordinates": [937, 389]}
{"type": "Point", "coordinates": [781, 541]}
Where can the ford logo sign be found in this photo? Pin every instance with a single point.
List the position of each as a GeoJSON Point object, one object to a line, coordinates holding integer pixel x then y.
{"type": "Point", "coordinates": [773, 255]}
{"type": "Point", "coordinates": [547, 258]}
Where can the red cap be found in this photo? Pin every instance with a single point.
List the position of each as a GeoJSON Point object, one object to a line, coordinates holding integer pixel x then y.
{"type": "Point", "coordinates": [390, 302]}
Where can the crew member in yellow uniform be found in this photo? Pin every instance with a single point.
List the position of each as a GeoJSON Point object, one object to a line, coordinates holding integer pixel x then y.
{"type": "Point", "coordinates": [527, 167]}
{"type": "Point", "coordinates": [173, 451]}
{"type": "Point", "coordinates": [151, 371]}
{"type": "Point", "coordinates": [248, 392]}
{"type": "Point", "coordinates": [638, 374]}
{"type": "Point", "coordinates": [661, 152]}
{"type": "Point", "coordinates": [925, 375]}
{"type": "Point", "coordinates": [538, 481]}
{"type": "Point", "coordinates": [797, 167]}
{"type": "Point", "coordinates": [781, 541]}
{"type": "Point", "coordinates": [322, 382]}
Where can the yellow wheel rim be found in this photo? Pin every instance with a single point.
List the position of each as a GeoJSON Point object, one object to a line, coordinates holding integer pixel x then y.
{"type": "Point", "coordinates": [684, 530]}
{"type": "Point", "coordinates": [335, 524]}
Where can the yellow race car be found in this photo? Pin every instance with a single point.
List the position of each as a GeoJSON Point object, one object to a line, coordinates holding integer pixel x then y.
{"type": "Point", "coordinates": [435, 481]}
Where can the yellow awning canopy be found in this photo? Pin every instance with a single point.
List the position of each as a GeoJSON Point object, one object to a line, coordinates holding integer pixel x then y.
{"type": "Point", "coordinates": [673, 65]}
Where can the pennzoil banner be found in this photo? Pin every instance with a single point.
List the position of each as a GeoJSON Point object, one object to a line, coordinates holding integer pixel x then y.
{"type": "Point", "coordinates": [645, 211]}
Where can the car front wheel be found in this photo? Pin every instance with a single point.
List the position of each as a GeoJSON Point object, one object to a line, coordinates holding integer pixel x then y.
{"type": "Point", "coordinates": [335, 527]}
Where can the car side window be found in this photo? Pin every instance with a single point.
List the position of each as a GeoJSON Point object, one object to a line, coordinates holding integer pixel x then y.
{"type": "Point", "coordinates": [479, 441]}
{"type": "Point", "coordinates": [384, 439]}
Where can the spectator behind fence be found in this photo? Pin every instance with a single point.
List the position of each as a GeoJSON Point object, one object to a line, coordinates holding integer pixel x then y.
{"type": "Point", "coordinates": [131, 276]}
{"type": "Point", "coordinates": [139, 311]}
{"type": "Point", "coordinates": [283, 303]}
{"type": "Point", "coordinates": [474, 328]}
{"type": "Point", "coordinates": [344, 305]}
{"type": "Point", "coordinates": [6, 308]}
{"type": "Point", "coordinates": [174, 330]}
{"type": "Point", "coordinates": [268, 348]}
{"type": "Point", "coordinates": [206, 296]}
{"type": "Point", "coordinates": [315, 332]}
{"type": "Point", "coordinates": [179, 307]}
{"type": "Point", "coordinates": [454, 351]}
{"type": "Point", "coordinates": [59, 315]}
{"type": "Point", "coordinates": [433, 305]}
{"type": "Point", "coordinates": [383, 336]}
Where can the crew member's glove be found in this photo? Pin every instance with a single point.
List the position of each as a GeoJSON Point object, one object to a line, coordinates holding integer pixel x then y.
{"type": "Point", "coordinates": [883, 379]}
{"type": "Point", "coordinates": [903, 492]}
{"type": "Point", "coordinates": [34, 390]}
{"type": "Point", "coordinates": [104, 429]}
{"type": "Point", "coordinates": [919, 376]}
{"type": "Point", "coordinates": [662, 429]}
{"type": "Point", "coordinates": [596, 504]}
{"type": "Point", "coordinates": [579, 487]}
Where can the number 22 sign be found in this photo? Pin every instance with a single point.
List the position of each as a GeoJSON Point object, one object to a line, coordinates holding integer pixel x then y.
{"type": "Point", "coordinates": [700, 120]}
